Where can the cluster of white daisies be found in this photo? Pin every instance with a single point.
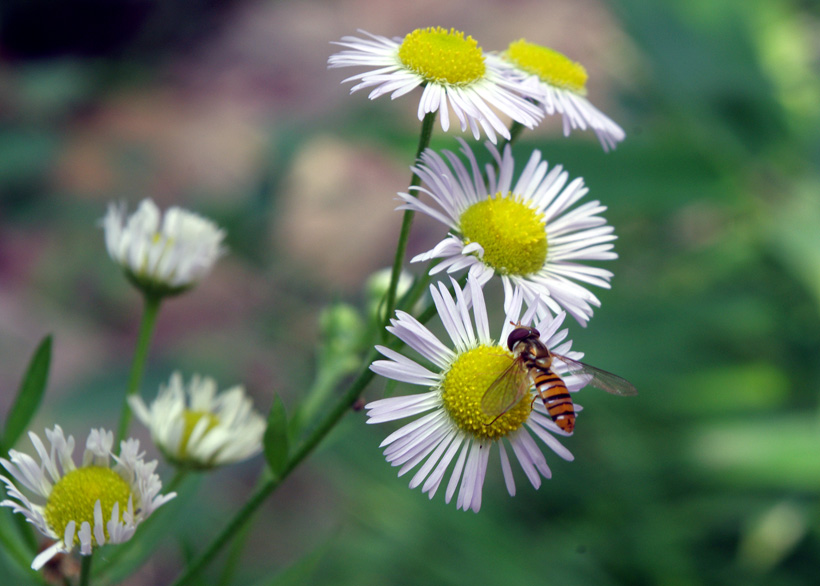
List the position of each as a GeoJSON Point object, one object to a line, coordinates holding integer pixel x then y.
{"type": "Point", "coordinates": [103, 498]}
{"type": "Point", "coordinates": [530, 230]}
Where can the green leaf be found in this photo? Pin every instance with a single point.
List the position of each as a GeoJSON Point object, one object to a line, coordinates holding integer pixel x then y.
{"type": "Point", "coordinates": [276, 438]}
{"type": "Point", "coordinates": [29, 396]}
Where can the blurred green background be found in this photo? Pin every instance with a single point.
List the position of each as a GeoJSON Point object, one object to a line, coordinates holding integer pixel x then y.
{"type": "Point", "coordinates": [710, 476]}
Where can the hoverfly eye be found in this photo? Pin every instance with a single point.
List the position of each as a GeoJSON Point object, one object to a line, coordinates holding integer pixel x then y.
{"type": "Point", "coordinates": [519, 334]}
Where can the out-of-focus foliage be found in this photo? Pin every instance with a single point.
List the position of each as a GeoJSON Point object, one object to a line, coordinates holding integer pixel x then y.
{"type": "Point", "coordinates": [710, 476]}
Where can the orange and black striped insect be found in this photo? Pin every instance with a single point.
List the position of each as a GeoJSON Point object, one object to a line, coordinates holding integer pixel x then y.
{"type": "Point", "coordinates": [532, 367]}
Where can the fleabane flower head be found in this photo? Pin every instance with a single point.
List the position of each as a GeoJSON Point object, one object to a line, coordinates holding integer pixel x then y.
{"type": "Point", "coordinates": [528, 232]}
{"type": "Point", "coordinates": [453, 71]}
{"type": "Point", "coordinates": [450, 430]}
{"type": "Point", "coordinates": [162, 254]}
{"type": "Point", "coordinates": [560, 86]}
{"type": "Point", "coordinates": [196, 427]}
{"type": "Point", "coordinates": [87, 506]}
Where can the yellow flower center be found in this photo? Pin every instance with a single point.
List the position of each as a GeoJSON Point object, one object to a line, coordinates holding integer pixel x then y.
{"type": "Point", "coordinates": [191, 419]}
{"type": "Point", "coordinates": [464, 386]}
{"type": "Point", "coordinates": [443, 56]}
{"type": "Point", "coordinates": [74, 496]}
{"type": "Point", "coordinates": [145, 277]}
{"type": "Point", "coordinates": [550, 66]}
{"type": "Point", "coordinates": [511, 233]}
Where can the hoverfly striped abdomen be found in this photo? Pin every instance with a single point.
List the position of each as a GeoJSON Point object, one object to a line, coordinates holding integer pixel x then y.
{"type": "Point", "coordinates": [531, 366]}
{"type": "Point", "coordinates": [525, 343]}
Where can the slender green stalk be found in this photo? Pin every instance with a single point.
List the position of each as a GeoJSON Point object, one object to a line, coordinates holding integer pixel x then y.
{"type": "Point", "coordinates": [407, 219]}
{"type": "Point", "coordinates": [234, 555]}
{"type": "Point", "coordinates": [85, 570]}
{"type": "Point", "coordinates": [180, 476]}
{"type": "Point", "coordinates": [146, 332]}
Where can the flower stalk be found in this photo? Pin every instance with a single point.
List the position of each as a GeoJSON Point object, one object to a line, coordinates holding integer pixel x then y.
{"type": "Point", "coordinates": [146, 332]}
{"type": "Point", "coordinates": [407, 220]}
{"type": "Point", "coordinates": [85, 570]}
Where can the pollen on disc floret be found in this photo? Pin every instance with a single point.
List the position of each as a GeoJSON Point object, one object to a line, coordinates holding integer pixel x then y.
{"type": "Point", "coordinates": [559, 85]}
{"type": "Point", "coordinates": [464, 386]}
{"type": "Point", "coordinates": [443, 56]}
{"type": "Point", "coordinates": [74, 497]}
{"type": "Point", "coordinates": [549, 65]}
{"type": "Point", "coordinates": [511, 234]}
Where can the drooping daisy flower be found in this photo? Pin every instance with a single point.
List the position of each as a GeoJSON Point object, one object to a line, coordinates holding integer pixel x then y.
{"type": "Point", "coordinates": [163, 255]}
{"type": "Point", "coordinates": [85, 506]}
{"type": "Point", "coordinates": [561, 87]}
{"type": "Point", "coordinates": [528, 233]}
{"type": "Point", "coordinates": [449, 425]}
{"type": "Point", "coordinates": [452, 69]}
{"type": "Point", "coordinates": [195, 427]}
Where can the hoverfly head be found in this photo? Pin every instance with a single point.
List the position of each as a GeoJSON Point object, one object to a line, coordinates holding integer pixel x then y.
{"type": "Point", "coordinates": [521, 333]}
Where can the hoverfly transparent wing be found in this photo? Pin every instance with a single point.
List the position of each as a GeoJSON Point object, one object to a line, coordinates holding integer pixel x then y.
{"type": "Point", "coordinates": [600, 379]}
{"type": "Point", "coordinates": [505, 391]}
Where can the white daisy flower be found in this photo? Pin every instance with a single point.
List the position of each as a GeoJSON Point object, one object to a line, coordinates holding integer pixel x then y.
{"type": "Point", "coordinates": [85, 506]}
{"type": "Point", "coordinates": [527, 233]}
{"type": "Point", "coordinates": [163, 255]}
{"type": "Point", "coordinates": [452, 69]}
{"type": "Point", "coordinates": [195, 427]}
{"type": "Point", "coordinates": [449, 424]}
{"type": "Point", "coordinates": [561, 87]}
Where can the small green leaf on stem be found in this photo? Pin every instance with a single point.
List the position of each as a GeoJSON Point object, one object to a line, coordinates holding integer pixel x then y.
{"type": "Point", "coordinates": [275, 440]}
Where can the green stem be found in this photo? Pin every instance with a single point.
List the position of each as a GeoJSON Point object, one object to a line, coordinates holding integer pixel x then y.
{"type": "Point", "coordinates": [234, 556]}
{"type": "Point", "coordinates": [407, 219]}
{"type": "Point", "coordinates": [149, 322]}
{"type": "Point", "coordinates": [85, 570]}
{"type": "Point", "coordinates": [180, 475]}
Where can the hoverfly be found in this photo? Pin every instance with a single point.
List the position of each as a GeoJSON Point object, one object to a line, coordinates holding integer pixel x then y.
{"type": "Point", "coordinates": [532, 366]}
